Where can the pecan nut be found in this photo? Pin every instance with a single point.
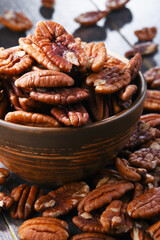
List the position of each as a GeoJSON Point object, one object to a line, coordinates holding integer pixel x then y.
{"type": "Point", "coordinates": [152, 77]}
{"type": "Point", "coordinates": [44, 78]}
{"type": "Point", "coordinates": [24, 198]}
{"type": "Point", "coordinates": [59, 46]}
{"type": "Point", "coordinates": [112, 62]}
{"type": "Point", "coordinates": [127, 92]}
{"type": "Point", "coordinates": [115, 219]}
{"type": "Point", "coordinates": [35, 52]}
{"type": "Point", "coordinates": [64, 96]}
{"type": "Point", "coordinates": [89, 236]}
{"type": "Point", "coordinates": [14, 61]}
{"type": "Point", "coordinates": [142, 134]}
{"type": "Point", "coordinates": [142, 48]}
{"type": "Point", "coordinates": [146, 34]}
{"type": "Point", "coordinates": [134, 65]}
{"type": "Point", "coordinates": [145, 206]}
{"type": "Point", "coordinates": [109, 80]}
{"type": "Point", "coordinates": [107, 176]}
{"type": "Point", "coordinates": [154, 231]}
{"type": "Point", "coordinates": [96, 54]}
{"type": "Point", "coordinates": [88, 223]}
{"type": "Point", "coordinates": [116, 4]}
{"type": "Point", "coordinates": [63, 200]}
{"type": "Point", "coordinates": [139, 231]}
{"type": "Point", "coordinates": [48, 3]}
{"type": "Point", "coordinates": [147, 158]}
{"type": "Point", "coordinates": [3, 107]}
{"type": "Point", "coordinates": [43, 228]}
{"type": "Point", "coordinates": [91, 18]}
{"type": "Point", "coordinates": [152, 118]}
{"type": "Point", "coordinates": [126, 171]}
{"type": "Point", "coordinates": [152, 100]}
{"type": "Point", "coordinates": [138, 190]}
{"type": "Point", "coordinates": [5, 201]}
{"type": "Point", "coordinates": [4, 174]}
{"type": "Point", "coordinates": [104, 195]}
{"type": "Point", "coordinates": [15, 21]}
{"type": "Point", "coordinates": [75, 115]}
{"type": "Point", "coordinates": [31, 119]}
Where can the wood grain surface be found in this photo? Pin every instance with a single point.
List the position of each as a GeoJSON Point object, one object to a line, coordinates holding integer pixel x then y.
{"type": "Point", "coordinates": [117, 31]}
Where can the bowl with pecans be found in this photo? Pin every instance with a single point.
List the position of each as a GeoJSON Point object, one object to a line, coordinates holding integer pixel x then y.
{"type": "Point", "coordinates": [67, 107]}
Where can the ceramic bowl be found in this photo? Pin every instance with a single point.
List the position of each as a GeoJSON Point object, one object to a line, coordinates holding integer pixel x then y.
{"type": "Point", "coordinates": [55, 156]}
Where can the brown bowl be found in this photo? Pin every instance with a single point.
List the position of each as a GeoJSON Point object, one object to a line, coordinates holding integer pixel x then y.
{"type": "Point", "coordinates": [56, 156]}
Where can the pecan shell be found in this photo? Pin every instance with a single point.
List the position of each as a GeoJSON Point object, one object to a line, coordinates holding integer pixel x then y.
{"type": "Point", "coordinates": [24, 198]}
{"type": "Point", "coordinates": [15, 21]}
{"type": "Point", "coordinates": [63, 200]}
{"type": "Point", "coordinates": [44, 78]}
{"type": "Point", "coordinates": [146, 34]}
{"type": "Point", "coordinates": [104, 195]}
{"type": "Point", "coordinates": [43, 228]}
{"type": "Point", "coordinates": [4, 174]}
{"type": "Point", "coordinates": [31, 119]}
{"type": "Point", "coordinates": [115, 219]}
{"type": "Point", "coordinates": [145, 206]}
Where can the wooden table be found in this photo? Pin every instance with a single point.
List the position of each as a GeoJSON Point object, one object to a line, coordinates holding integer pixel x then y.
{"type": "Point", "coordinates": [117, 31]}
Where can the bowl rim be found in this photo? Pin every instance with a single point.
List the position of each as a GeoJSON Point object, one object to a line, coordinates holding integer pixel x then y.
{"type": "Point", "coordinates": [113, 118]}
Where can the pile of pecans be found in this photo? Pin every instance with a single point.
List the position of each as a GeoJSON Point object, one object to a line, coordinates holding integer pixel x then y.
{"type": "Point", "coordinates": [54, 80]}
{"type": "Point", "coordinates": [119, 203]}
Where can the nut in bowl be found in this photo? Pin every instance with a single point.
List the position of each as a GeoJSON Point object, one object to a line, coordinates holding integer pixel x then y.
{"type": "Point", "coordinates": [69, 115]}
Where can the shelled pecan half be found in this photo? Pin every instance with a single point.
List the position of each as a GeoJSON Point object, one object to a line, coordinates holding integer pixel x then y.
{"type": "Point", "coordinates": [128, 172]}
{"type": "Point", "coordinates": [5, 201]}
{"type": "Point", "coordinates": [154, 231]}
{"type": "Point", "coordinates": [15, 21]}
{"type": "Point", "coordinates": [145, 206]}
{"type": "Point", "coordinates": [139, 231]}
{"type": "Point", "coordinates": [107, 176]}
{"type": "Point", "coordinates": [152, 77]}
{"type": "Point", "coordinates": [59, 46]}
{"type": "Point", "coordinates": [142, 134]}
{"type": "Point", "coordinates": [142, 48]}
{"type": "Point", "coordinates": [43, 228]}
{"type": "Point", "coordinates": [74, 115]}
{"type": "Point", "coordinates": [146, 34]}
{"type": "Point", "coordinates": [103, 195]}
{"type": "Point", "coordinates": [147, 158]}
{"type": "Point", "coordinates": [115, 219]}
{"type": "Point", "coordinates": [4, 174]}
{"type": "Point", "coordinates": [152, 100]}
{"type": "Point", "coordinates": [24, 198]}
{"type": "Point", "coordinates": [152, 118]}
{"type": "Point", "coordinates": [87, 222]}
{"type": "Point", "coordinates": [14, 61]}
{"type": "Point", "coordinates": [48, 3]}
{"type": "Point", "coordinates": [44, 78]}
{"type": "Point", "coordinates": [91, 18]}
{"type": "Point", "coordinates": [29, 46]}
{"type": "Point", "coordinates": [63, 96]}
{"type": "Point", "coordinates": [31, 119]}
{"type": "Point", "coordinates": [116, 4]}
{"type": "Point", "coordinates": [62, 200]}
{"type": "Point", "coordinates": [90, 236]}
